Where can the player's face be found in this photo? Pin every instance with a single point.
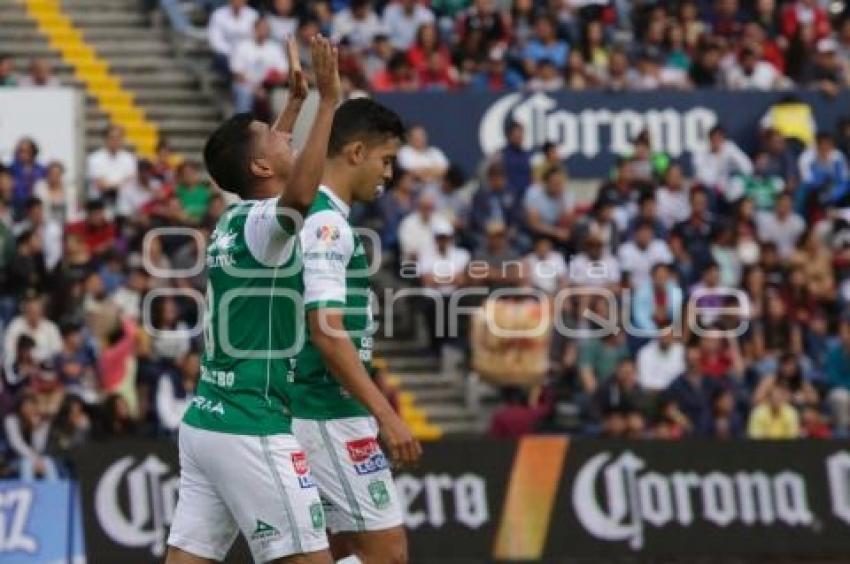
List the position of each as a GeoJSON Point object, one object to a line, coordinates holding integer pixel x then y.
{"type": "Point", "coordinates": [376, 169]}
{"type": "Point", "coordinates": [275, 148]}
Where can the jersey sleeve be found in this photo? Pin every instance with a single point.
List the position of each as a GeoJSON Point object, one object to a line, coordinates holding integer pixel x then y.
{"type": "Point", "coordinates": [327, 243]}
{"type": "Point", "coordinates": [269, 242]}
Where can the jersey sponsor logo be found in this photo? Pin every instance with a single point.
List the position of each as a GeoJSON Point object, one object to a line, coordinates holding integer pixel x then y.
{"type": "Point", "coordinates": [302, 470]}
{"type": "Point", "coordinates": [367, 456]}
{"type": "Point", "coordinates": [208, 405]}
{"type": "Point", "coordinates": [327, 233]}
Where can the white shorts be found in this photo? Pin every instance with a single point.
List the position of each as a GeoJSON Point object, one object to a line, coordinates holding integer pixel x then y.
{"type": "Point", "coordinates": [353, 474]}
{"type": "Point", "coordinates": [259, 485]}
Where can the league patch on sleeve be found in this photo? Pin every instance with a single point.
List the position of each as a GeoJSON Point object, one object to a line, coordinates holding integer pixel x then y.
{"type": "Point", "coordinates": [327, 233]}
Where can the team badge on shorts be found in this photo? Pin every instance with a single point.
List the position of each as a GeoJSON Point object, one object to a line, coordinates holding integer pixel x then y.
{"type": "Point", "coordinates": [367, 456]}
{"type": "Point", "coordinates": [327, 233]}
{"type": "Point", "coordinates": [379, 493]}
{"type": "Point", "coordinates": [317, 516]}
{"type": "Point", "coordinates": [302, 470]}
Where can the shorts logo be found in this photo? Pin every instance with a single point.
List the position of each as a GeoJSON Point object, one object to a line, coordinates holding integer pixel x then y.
{"type": "Point", "coordinates": [302, 471]}
{"type": "Point", "coordinates": [379, 493]}
{"type": "Point", "coordinates": [317, 516]}
{"type": "Point", "coordinates": [327, 233]}
{"type": "Point", "coordinates": [264, 531]}
{"type": "Point", "coordinates": [366, 456]}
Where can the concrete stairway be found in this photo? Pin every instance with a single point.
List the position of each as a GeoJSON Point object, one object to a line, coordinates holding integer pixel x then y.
{"type": "Point", "coordinates": [168, 89]}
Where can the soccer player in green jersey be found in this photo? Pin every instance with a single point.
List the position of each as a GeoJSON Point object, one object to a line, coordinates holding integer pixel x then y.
{"type": "Point", "coordinates": [333, 395]}
{"type": "Point", "coordinates": [241, 469]}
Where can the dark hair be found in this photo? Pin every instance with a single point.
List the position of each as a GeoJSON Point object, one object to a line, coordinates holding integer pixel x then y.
{"type": "Point", "coordinates": [363, 119]}
{"type": "Point", "coordinates": [824, 136]}
{"type": "Point", "coordinates": [227, 153]}
{"type": "Point", "coordinates": [32, 202]}
{"type": "Point", "coordinates": [551, 171]}
{"type": "Point", "coordinates": [716, 129]}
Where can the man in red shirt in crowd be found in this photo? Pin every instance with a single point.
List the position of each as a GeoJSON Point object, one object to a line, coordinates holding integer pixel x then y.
{"type": "Point", "coordinates": [98, 233]}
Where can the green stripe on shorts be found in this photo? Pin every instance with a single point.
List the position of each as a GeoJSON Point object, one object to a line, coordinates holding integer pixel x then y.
{"type": "Point", "coordinates": [290, 516]}
{"type": "Point", "coordinates": [360, 522]}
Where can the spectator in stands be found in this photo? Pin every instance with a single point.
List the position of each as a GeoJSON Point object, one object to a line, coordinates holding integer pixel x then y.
{"type": "Point", "coordinates": [134, 200]}
{"type": "Point", "coordinates": [52, 190]}
{"type": "Point", "coordinates": [775, 418]}
{"type": "Point", "coordinates": [824, 178]}
{"type": "Point", "coordinates": [26, 171]}
{"type": "Point", "coordinates": [193, 194]}
{"type": "Point", "coordinates": [228, 26]}
{"type": "Point", "coordinates": [33, 323]}
{"type": "Point", "coordinates": [544, 45]}
{"type": "Point", "coordinates": [402, 20]}
{"type": "Point", "coordinates": [75, 363]}
{"type": "Point", "coordinates": [257, 65]}
{"type": "Point", "coordinates": [427, 162]}
{"type": "Point", "coordinates": [621, 403]}
{"type": "Point", "coordinates": [7, 71]}
{"type": "Point", "coordinates": [658, 300]}
{"type": "Point", "coordinates": [493, 202]}
{"type": "Point", "coordinates": [283, 21]}
{"type": "Point", "coordinates": [714, 168]}
{"type": "Point", "coordinates": [174, 391]}
{"type": "Point", "coordinates": [72, 426]}
{"type": "Point", "coordinates": [594, 266]}
{"type": "Point", "coordinates": [672, 197]}
{"type": "Point", "coordinates": [695, 232]}
{"type": "Point", "coordinates": [27, 432]}
{"type": "Point", "coordinates": [415, 233]}
{"type": "Point", "coordinates": [638, 256]}
{"type": "Point", "coordinates": [783, 226]}
{"type": "Point", "coordinates": [128, 297]}
{"type": "Point", "coordinates": [117, 421]}
{"type": "Point", "coordinates": [494, 74]}
{"type": "Point", "coordinates": [837, 370]}
{"type": "Point", "coordinates": [549, 207]}
{"type": "Point", "coordinates": [705, 71]}
{"type": "Point", "coordinates": [649, 74]}
{"type": "Point", "coordinates": [28, 269]}
{"type": "Point", "coordinates": [172, 340]}
{"type": "Point", "coordinates": [824, 71]}
{"type": "Point", "coordinates": [660, 361]}
{"type": "Point", "coordinates": [516, 159]}
{"type": "Point", "coordinates": [49, 232]}
{"type": "Point", "coordinates": [598, 357]}
{"type": "Point", "coordinates": [497, 264]}
{"type": "Point", "coordinates": [111, 168]}
{"type": "Point", "coordinates": [39, 75]}
{"type": "Point", "coordinates": [442, 269]}
{"type": "Point", "coordinates": [751, 73]}
{"type": "Point", "coordinates": [692, 394]}
{"type": "Point", "coordinates": [545, 267]}
{"type": "Point", "coordinates": [398, 76]}
{"type": "Point", "coordinates": [358, 24]}
{"type": "Point", "coordinates": [97, 232]}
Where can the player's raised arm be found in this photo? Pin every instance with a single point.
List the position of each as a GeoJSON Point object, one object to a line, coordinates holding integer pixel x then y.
{"type": "Point", "coordinates": [307, 171]}
{"type": "Point", "coordinates": [298, 89]}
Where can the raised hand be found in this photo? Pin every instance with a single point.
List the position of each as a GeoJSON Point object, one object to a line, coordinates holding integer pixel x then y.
{"type": "Point", "coordinates": [298, 87]}
{"type": "Point", "coordinates": [326, 67]}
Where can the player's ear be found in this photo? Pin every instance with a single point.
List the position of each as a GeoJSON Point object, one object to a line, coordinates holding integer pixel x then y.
{"type": "Point", "coordinates": [262, 168]}
{"type": "Point", "coordinates": [356, 152]}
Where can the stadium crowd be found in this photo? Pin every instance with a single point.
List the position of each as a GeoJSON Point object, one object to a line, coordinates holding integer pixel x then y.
{"type": "Point", "coordinates": [494, 45]}
{"type": "Point", "coordinates": [85, 356]}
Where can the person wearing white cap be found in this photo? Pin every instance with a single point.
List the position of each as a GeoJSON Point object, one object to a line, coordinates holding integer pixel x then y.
{"type": "Point", "coordinates": [442, 269]}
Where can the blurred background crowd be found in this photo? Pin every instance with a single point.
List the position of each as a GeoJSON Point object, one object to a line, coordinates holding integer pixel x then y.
{"type": "Point", "coordinates": [81, 362]}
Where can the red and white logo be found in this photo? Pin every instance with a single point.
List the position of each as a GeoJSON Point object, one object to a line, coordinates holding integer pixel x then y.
{"type": "Point", "coordinates": [361, 450]}
{"type": "Point", "coordinates": [299, 462]}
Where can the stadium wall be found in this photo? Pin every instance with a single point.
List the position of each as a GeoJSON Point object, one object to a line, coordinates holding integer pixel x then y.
{"type": "Point", "coordinates": [592, 128]}
{"type": "Point", "coordinates": [541, 499]}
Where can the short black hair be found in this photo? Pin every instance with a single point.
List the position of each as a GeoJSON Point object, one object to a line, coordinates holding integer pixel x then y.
{"type": "Point", "coordinates": [227, 154]}
{"type": "Point", "coordinates": [363, 119]}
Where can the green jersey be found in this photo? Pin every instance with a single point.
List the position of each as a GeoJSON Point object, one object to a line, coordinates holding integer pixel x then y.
{"type": "Point", "coordinates": [253, 323]}
{"type": "Point", "coordinates": [335, 275]}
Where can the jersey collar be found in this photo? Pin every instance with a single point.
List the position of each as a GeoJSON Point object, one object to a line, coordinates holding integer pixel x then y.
{"type": "Point", "coordinates": [337, 202]}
